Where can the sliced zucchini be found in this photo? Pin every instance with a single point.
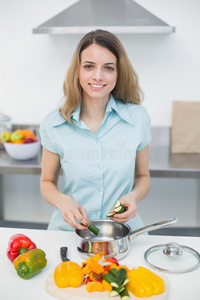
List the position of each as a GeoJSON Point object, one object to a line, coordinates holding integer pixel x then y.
{"type": "Point", "coordinates": [124, 294]}
{"type": "Point", "coordinates": [94, 229]}
{"type": "Point", "coordinates": [121, 274]}
{"type": "Point", "coordinates": [126, 280]}
{"type": "Point", "coordinates": [118, 203]}
{"type": "Point", "coordinates": [111, 214]}
{"type": "Point", "coordinates": [113, 293]}
{"type": "Point", "coordinates": [119, 289]}
{"type": "Point", "coordinates": [120, 209]}
{"type": "Point", "coordinates": [108, 277]}
{"type": "Point", "coordinates": [113, 272]}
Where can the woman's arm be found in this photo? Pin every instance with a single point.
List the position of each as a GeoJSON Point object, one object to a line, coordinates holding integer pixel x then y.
{"type": "Point", "coordinates": [70, 208]}
{"type": "Point", "coordinates": [140, 188]}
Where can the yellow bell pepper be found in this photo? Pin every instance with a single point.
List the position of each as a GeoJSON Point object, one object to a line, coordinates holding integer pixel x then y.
{"type": "Point", "coordinates": [144, 283]}
{"type": "Point", "coordinates": [156, 281]}
{"type": "Point", "coordinates": [94, 287]}
{"type": "Point", "coordinates": [68, 274]}
{"type": "Point", "coordinates": [134, 286]}
{"type": "Point", "coordinates": [93, 265]}
{"type": "Point", "coordinates": [148, 287]}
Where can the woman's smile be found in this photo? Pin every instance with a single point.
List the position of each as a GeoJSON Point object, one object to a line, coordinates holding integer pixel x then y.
{"type": "Point", "coordinates": [97, 87]}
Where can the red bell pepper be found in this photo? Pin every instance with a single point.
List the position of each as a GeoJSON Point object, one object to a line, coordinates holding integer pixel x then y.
{"type": "Point", "coordinates": [113, 260]}
{"type": "Point", "coordinates": [18, 244]}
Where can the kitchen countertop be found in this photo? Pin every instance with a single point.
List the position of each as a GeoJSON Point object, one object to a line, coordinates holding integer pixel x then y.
{"type": "Point", "coordinates": [183, 286]}
{"type": "Point", "coordinates": [162, 163]}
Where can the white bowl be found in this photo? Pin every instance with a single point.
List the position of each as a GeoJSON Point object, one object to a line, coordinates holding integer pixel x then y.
{"type": "Point", "coordinates": [22, 151]}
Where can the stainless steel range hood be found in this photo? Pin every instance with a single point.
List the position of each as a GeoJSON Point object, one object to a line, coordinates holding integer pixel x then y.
{"type": "Point", "coordinates": [117, 16]}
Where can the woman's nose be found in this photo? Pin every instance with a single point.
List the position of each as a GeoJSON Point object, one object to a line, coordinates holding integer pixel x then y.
{"type": "Point", "coordinates": [98, 74]}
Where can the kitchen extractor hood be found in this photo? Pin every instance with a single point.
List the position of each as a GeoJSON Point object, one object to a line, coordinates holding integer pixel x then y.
{"type": "Point", "coordinates": [117, 16]}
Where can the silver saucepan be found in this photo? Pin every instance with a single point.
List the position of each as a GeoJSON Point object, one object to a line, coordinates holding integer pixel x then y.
{"type": "Point", "coordinates": [113, 239]}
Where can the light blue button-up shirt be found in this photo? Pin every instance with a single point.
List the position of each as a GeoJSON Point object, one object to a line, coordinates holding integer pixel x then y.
{"type": "Point", "coordinates": [98, 169]}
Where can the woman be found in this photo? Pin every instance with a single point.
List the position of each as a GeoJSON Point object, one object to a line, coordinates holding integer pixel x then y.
{"type": "Point", "coordinates": [99, 137]}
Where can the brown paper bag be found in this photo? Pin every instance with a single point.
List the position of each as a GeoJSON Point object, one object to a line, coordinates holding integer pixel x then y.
{"type": "Point", "coordinates": [185, 131]}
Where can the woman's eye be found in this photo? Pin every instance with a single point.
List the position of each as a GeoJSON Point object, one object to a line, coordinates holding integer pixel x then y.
{"type": "Point", "coordinates": [88, 66]}
{"type": "Point", "coordinates": [109, 68]}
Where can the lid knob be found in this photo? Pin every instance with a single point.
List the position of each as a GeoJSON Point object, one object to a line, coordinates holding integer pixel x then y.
{"type": "Point", "coordinates": [172, 249]}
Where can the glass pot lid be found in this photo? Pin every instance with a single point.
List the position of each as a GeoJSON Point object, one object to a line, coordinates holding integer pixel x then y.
{"type": "Point", "coordinates": [172, 258]}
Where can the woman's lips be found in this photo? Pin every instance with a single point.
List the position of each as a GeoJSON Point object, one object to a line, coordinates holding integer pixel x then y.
{"type": "Point", "coordinates": [96, 86]}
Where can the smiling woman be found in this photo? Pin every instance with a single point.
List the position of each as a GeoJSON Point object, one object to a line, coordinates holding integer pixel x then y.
{"type": "Point", "coordinates": [99, 137]}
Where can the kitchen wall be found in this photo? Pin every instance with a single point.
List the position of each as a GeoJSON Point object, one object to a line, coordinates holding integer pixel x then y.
{"type": "Point", "coordinates": [32, 70]}
{"type": "Point", "coordinates": [33, 66]}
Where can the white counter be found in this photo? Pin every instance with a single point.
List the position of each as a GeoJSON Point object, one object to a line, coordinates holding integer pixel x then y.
{"type": "Point", "coordinates": [184, 286]}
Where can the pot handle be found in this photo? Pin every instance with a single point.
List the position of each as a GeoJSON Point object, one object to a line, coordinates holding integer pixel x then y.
{"type": "Point", "coordinates": [151, 227]}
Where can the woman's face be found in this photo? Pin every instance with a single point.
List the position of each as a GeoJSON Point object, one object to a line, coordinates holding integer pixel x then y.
{"type": "Point", "coordinates": [98, 72]}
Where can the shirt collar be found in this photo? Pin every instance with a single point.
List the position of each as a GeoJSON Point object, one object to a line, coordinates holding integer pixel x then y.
{"type": "Point", "coordinates": [76, 113]}
{"type": "Point", "coordinates": [117, 105]}
{"type": "Point", "coordinates": [59, 119]}
{"type": "Point", "coordinates": [120, 108]}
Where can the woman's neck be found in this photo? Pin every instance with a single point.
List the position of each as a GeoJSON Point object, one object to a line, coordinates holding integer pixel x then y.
{"type": "Point", "coordinates": [93, 108]}
{"type": "Point", "coordinates": [92, 112]}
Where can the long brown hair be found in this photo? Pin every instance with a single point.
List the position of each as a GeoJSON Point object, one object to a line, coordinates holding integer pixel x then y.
{"type": "Point", "coordinates": [127, 88]}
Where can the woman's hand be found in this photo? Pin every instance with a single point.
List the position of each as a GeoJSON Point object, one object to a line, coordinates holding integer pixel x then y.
{"type": "Point", "coordinates": [72, 210]}
{"type": "Point", "coordinates": [140, 188]}
{"type": "Point", "coordinates": [130, 203]}
{"type": "Point", "coordinates": [69, 208]}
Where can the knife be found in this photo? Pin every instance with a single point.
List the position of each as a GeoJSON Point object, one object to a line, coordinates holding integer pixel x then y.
{"type": "Point", "coordinates": [63, 254]}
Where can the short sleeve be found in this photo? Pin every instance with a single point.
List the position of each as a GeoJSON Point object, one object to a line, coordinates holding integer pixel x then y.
{"type": "Point", "coordinates": [45, 137]}
{"type": "Point", "coordinates": [145, 132]}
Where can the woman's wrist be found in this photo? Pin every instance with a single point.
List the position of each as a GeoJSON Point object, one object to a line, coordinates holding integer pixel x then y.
{"type": "Point", "coordinates": [135, 196]}
{"type": "Point", "coordinates": [63, 201]}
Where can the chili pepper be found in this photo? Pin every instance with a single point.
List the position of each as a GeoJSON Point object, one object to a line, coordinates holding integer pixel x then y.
{"type": "Point", "coordinates": [18, 244]}
{"type": "Point", "coordinates": [30, 263]}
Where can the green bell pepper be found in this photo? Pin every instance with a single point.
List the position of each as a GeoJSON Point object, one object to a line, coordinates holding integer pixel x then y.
{"type": "Point", "coordinates": [30, 263]}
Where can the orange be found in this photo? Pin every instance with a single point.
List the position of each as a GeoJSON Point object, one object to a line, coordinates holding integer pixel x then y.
{"type": "Point", "coordinates": [18, 142]}
{"type": "Point", "coordinates": [28, 134]}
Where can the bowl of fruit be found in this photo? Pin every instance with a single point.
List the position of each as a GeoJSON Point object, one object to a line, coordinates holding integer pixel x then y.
{"type": "Point", "coordinates": [21, 144]}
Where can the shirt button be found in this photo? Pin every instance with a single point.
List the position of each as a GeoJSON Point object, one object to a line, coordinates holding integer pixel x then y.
{"type": "Point", "coordinates": [97, 140]}
{"type": "Point", "coordinates": [98, 165]}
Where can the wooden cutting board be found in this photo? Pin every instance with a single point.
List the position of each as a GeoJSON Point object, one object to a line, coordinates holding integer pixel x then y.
{"type": "Point", "coordinates": [80, 293]}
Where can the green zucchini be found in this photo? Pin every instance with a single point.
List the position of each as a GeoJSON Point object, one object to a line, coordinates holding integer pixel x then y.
{"type": "Point", "coordinates": [120, 209]}
{"type": "Point", "coordinates": [113, 293]}
{"type": "Point", "coordinates": [111, 214]}
{"type": "Point", "coordinates": [124, 294]}
{"type": "Point", "coordinates": [118, 203]}
{"type": "Point", "coordinates": [108, 277]}
{"type": "Point", "coordinates": [113, 272]}
{"type": "Point", "coordinates": [119, 289]}
{"type": "Point", "coordinates": [121, 274]}
{"type": "Point", "coordinates": [92, 228]}
{"type": "Point", "coordinates": [126, 280]}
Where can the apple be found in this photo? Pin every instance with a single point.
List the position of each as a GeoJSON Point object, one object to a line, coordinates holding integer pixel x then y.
{"type": "Point", "coordinates": [29, 140]}
{"type": "Point", "coordinates": [6, 136]}
{"type": "Point", "coordinates": [15, 136]}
